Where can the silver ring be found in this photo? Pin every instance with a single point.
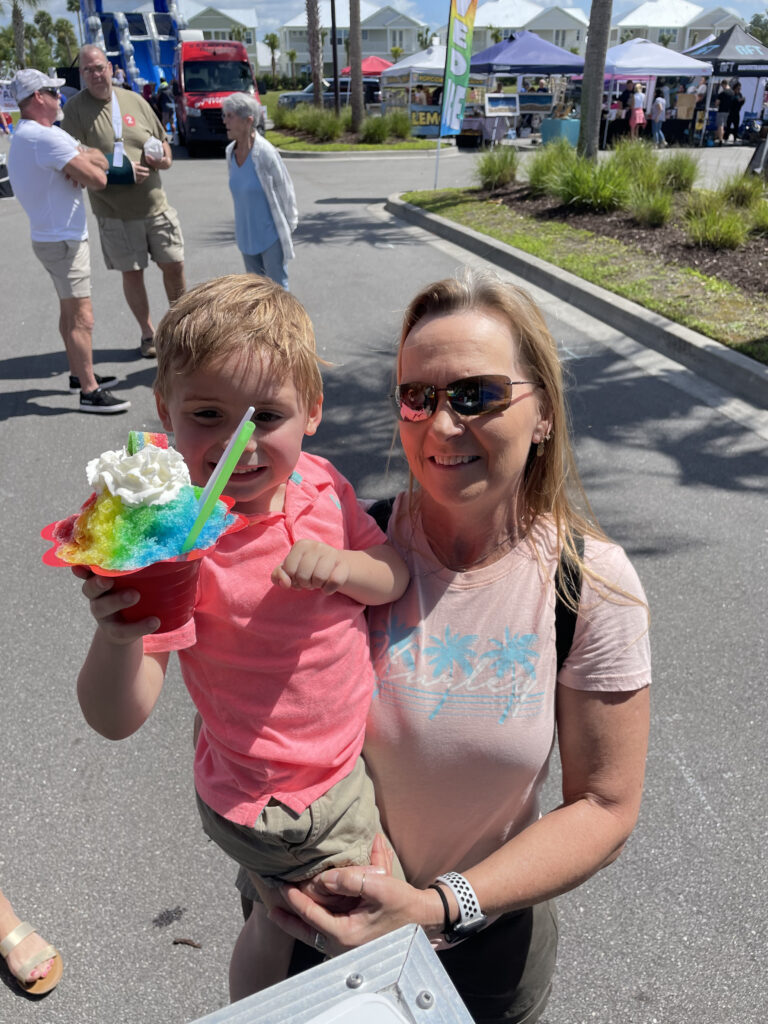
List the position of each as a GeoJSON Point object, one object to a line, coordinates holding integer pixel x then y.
{"type": "Point", "coordinates": [362, 886]}
{"type": "Point", "coordinates": [320, 942]}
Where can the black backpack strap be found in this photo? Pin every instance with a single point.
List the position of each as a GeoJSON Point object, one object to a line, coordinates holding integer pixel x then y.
{"type": "Point", "coordinates": [381, 510]}
{"type": "Point", "coordinates": [567, 588]}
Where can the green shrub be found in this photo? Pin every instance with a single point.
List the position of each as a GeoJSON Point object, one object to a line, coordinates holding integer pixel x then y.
{"type": "Point", "coordinates": [543, 169]}
{"type": "Point", "coordinates": [601, 186]}
{"type": "Point", "coordinates": [497, 167]}
{"type": "Point", "coordinates": [284, 118]}
{"type": "Point", "coordinates": [759, 218]}
{"type": "Point", "coordinates": [678, 171]}
{"type": "Point", "coordinates": [374, 129]}
{"type": "Point", "coordinates": [638, 161]}
{"type": "Point", "coordinates": [650, 207]}
{"type": "Point", "coordinates": [743, 190]}
{"type": "Point", "coordinates": [322, 124]}
{"type": "Point", "coordinates": [399, 123]}
{"type": "Point", "coordinates": [711, 222]}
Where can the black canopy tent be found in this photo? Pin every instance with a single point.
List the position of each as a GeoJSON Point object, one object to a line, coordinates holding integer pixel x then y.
{"type": "Point", "coordinates": [733, 52]}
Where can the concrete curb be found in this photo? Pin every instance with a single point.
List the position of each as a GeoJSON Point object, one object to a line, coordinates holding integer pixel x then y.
{"type": "Point", "coordinates": [733, 371]}
{"type": "Point", "coordinates": [367, 154]}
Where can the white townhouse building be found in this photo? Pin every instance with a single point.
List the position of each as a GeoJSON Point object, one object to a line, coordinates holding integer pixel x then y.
{"type": "Point", "coordinates": [232, 23]}
{"type": "Point", "coordinates": [679, 24]}
{"type": "Point", "coordinates": [563, 26]}
{"type": "Point", "coordinates": [382, 28]}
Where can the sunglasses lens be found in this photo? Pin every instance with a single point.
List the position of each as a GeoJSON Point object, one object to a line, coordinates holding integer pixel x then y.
{"type": "Point", "coordinates": [415, 401]}
{"type": "Point", "coordinates": [476, 395]}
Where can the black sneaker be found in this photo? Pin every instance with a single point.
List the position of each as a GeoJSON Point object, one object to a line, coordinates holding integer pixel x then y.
{"type": "Point", "coordinates": [147, 348]}
{"type": "Point", "coordinates": [101, 400]}
{"type": "Point", "coordinates": [74, 382]}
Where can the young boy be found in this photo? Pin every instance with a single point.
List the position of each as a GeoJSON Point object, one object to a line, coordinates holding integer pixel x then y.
{"type": "Point", "coordinates": [276, 655]}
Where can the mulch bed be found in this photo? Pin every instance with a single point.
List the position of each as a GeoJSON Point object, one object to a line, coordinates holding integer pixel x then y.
{"type": "Point", "coordinates": [746, 267]}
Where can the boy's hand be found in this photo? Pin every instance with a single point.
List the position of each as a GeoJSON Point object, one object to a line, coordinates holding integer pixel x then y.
{"type": "Point", "coordinates": [311, 565]}
{"type": "Point", "coordinates": [105, 606]}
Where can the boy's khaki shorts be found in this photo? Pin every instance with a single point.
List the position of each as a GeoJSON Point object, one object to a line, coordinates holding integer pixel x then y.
{"type": "Point", "coordinates": [336, 830]}
{"type": "Point", "coordinates": [69, 266]}
{"type": "Point", "coordinates": [128, 244]}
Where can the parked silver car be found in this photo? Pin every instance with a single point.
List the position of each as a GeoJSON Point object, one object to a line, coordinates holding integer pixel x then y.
{"type": "Point", "coordinates": [371, 94]}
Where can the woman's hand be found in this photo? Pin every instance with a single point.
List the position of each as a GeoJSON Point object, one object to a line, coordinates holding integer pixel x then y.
{"type": "Point", "coordinates": [381, 905]}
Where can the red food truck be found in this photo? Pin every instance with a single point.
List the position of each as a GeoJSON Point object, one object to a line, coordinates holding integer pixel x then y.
{"type": "Point", "coordinates": [205, 72]}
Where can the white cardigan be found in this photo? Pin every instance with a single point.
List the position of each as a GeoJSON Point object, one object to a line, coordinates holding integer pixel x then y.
{"type": "Point", "coordinates": [278, 189]}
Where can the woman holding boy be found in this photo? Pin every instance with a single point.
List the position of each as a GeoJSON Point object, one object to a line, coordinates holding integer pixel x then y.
{"type": "Point", "coordinates": [469, 698]}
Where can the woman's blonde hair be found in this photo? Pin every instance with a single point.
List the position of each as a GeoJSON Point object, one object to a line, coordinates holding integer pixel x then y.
{"type": "Point", "coordinates": [244, 315]}
{"type": "Point", "coordinates": [551, 484]}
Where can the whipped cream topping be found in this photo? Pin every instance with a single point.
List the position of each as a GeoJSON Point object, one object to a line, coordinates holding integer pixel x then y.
{"type": "Point", "coordinates": [153, 476]}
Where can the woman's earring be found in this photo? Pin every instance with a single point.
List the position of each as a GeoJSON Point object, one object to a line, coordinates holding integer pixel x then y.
{"type": "Point", "coordinates": [540, 445]}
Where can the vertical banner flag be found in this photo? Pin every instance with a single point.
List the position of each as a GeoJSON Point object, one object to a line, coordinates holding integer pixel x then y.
{"type": "Point", "coordinates": [457, 56]}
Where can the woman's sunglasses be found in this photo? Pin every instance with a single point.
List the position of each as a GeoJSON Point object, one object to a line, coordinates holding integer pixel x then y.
{"type": "Point", "coordinates": [470, 396]}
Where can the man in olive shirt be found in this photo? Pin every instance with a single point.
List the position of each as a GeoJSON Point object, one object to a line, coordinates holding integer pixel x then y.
{"type": "Point", "coordinates": [134, 218]}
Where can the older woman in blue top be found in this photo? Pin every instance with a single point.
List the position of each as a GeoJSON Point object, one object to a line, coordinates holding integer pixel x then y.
{"type": "Point", "coordinates": [265, 204]}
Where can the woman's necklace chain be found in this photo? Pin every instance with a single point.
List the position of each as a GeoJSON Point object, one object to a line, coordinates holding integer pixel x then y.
{"type": "Point", "coordinates": [510, 542]}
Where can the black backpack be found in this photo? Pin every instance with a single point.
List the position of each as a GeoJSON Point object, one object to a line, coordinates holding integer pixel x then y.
{"type": "Point", "coordinates": [567, 583]}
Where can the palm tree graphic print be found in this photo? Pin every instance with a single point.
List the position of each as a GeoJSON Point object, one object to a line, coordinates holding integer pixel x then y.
{"type": "Point", "coordinates": [458, 674]}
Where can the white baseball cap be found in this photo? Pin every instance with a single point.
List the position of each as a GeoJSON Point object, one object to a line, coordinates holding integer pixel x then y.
{"type": "Point", "coordinates": [30, 80]}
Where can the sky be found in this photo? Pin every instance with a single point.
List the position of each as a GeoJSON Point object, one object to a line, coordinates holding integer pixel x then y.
{"type": "Point", "coordinates": [272, 13]}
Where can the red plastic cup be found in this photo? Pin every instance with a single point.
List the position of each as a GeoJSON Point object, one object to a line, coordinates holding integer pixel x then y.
{"type": "Point", "coordinates": [167, 588]}
{"type": "Point", "coordinates": [167, 591]}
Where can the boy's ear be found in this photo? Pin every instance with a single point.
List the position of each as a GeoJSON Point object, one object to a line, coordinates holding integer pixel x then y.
{"type": "Point", "coordinates": [314, 415]}
{"type": "Point", "coordinates": [162, 412]}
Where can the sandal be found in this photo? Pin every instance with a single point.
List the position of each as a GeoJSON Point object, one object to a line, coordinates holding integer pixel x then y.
{"type": "Point", "coordinates": [38, 986]}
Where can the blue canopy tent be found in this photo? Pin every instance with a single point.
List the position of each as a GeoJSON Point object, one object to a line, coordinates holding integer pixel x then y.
{"type": "Point", "coordinates": [525, 53]}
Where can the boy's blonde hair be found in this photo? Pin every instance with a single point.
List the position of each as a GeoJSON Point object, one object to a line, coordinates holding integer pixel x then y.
{"type": "Point", "coordinates": [240, 314]}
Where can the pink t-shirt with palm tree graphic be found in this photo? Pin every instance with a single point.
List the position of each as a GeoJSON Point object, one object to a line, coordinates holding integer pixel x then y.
{"type": "Point", "coordinates": [462, 724]}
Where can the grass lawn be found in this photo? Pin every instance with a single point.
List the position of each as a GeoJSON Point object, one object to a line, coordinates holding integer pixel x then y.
{"type": "Point", "coordinates": [718, 310]}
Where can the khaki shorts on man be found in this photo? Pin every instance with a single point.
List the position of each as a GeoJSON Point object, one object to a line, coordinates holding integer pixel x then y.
{"type": "Point", "coordinates": [69, 265]}
{"type": "Point", "coordinates": [128, 244]}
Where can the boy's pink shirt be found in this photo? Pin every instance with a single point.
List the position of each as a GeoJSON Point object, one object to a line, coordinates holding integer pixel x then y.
{"type": "Point", "coordinates": [282, 678]}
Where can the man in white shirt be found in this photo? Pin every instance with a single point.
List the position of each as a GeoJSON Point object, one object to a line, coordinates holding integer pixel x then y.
{"type": "Point", "coordinates": [48, 171]}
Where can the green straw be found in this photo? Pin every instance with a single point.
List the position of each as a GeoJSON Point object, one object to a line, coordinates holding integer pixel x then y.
{"type": "Point", "coordinates": [220, 476]}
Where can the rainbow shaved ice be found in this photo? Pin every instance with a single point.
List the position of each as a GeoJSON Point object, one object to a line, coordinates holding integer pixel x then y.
{"type": "Point", "coordinates": [138, 439]}
{"type": "Point", "coordinates": [143, 507]}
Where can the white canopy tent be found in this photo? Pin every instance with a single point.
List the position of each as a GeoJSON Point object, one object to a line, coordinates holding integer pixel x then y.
{"type": "Point", "coordinates": [644, 59]}
{"type": "Point", "coordinates": [421, 71]}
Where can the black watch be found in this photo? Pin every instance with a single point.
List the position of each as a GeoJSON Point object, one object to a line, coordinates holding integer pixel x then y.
{"type": "Point", "coordinates": [471, 918]}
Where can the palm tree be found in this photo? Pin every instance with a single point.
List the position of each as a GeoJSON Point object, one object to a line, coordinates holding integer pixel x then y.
{"type": "Point", "coordinates": [424, 37]}
{"type": "Point", "coordinates": [273, 42]}
{"type": "Point", "coordinates": [315, 52]}
{"type": "Point", "coordinates": [17, 20]}
{"type": "Point", "coordinates": [291, 55]}
{"type": "Point", "coordinates": [395, 52]}
{"type": "Point", "coordinates": [73, 7]}
{"type": "Point", "coordinates": [593, 80]}
{"type": "Point", "coordinates": [355, 69]}
{"type": "Point", "coordinates": [66, 41]}
{"type": "Point", "coordinates": [496, 34]}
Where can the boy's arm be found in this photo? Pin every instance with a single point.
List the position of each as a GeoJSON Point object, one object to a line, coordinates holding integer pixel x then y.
{"type": "Point", "coordinates": [118, 684]}
{"type": "Point", "coordinates": [376, 575]}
